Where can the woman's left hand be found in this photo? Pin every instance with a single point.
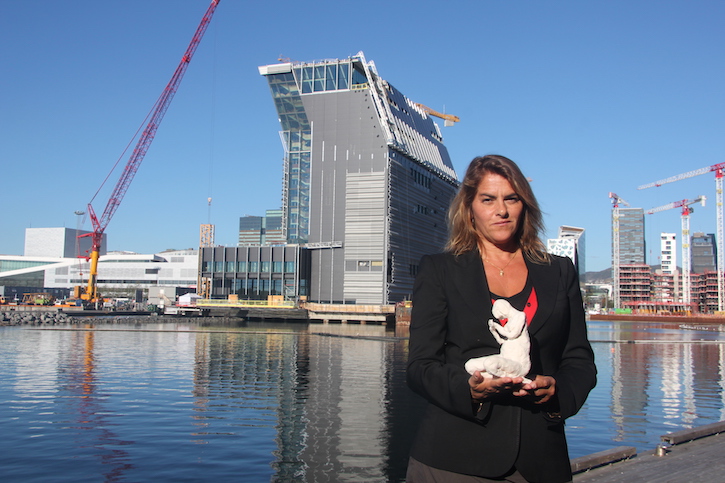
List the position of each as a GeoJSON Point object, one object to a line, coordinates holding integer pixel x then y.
{"type": "Point", "coordinates": [542, 388]}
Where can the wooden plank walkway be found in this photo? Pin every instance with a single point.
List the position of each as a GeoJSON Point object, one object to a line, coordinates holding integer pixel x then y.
{"type": "Point", "coordinates": [692, 455]}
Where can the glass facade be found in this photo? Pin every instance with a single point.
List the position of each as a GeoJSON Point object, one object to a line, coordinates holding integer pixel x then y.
{"type": "Point", "coordinates": [297, 139]}
{"type": "Point", "coordinates": [631, 236]}
{"type": "Point", "coordinates": [254, 272]}
{"type": "Point", "coordinates": [7, 265]}
{"type": "Point", "coordinates": [704, 253]}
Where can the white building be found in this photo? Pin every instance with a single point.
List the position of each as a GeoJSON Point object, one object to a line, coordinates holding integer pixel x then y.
{"type": "Point", "coordinates": [570, 243]}
{"type": "Point", "coordinates": [668, 253]}
{"type": "Point", "coordinates": [59, 242]}
{"type": "Point", "coordinates": [46, 265]}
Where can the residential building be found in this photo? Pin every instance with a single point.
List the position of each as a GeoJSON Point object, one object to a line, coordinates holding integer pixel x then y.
{"type": "Point", "coordinates": [367, 179]}
{"type": "Point", "coordinates": [668, 253]}
{"type": "Point", "coordinates": [666, 287]}
{"type": "Point", "coordinates": [704, 291]}
{"type": "Point", "coordinates": [635, 283]}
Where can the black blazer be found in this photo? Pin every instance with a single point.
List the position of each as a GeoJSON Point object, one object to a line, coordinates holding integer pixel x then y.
{"type": "Point", "coordinates": [451, 307]}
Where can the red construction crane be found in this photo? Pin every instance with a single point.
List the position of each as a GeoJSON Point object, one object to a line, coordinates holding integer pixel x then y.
{"type": "Point", "coordinates": [157, 114]}
{"type": "Point", "coordinates": [719, 170]}
{"type": "Point", "coordinates": [686, 252]}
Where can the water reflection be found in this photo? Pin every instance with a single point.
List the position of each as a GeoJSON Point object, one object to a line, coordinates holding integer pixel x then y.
{"type": "Point", "coordinates": [288, 402]}
{"type": "Point", "coordinates": [654, 379]}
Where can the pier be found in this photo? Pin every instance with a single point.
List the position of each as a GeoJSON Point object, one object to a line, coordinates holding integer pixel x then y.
{"type": "Point", "coordinates": [689, 455]}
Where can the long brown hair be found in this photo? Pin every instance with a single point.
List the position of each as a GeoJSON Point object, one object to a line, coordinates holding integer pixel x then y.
{"type": "Point", "coordinates": [463, 235]}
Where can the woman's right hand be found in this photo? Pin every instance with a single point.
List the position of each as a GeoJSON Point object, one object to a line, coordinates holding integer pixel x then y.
{"type": "Point", "coordinates": [483, 388]}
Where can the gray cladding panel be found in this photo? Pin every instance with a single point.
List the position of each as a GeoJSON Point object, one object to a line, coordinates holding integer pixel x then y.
{"type": "Point", "coordinates": [346, 138]}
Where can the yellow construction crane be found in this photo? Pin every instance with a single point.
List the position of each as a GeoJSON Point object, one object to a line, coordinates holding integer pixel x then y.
{"type": "Point", "coordinates": [448, 118]}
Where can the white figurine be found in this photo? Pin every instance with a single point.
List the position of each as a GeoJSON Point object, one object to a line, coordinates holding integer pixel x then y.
{"type": "Point", "coordinates": [514, 359]}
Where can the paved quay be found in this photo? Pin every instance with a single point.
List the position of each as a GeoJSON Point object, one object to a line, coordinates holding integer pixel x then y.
{"type": "Point", "coordinates": [692, 455]}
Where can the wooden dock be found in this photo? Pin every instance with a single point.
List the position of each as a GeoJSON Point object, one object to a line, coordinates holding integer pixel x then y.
{"type": "Point", "coordinates": [691, 455]}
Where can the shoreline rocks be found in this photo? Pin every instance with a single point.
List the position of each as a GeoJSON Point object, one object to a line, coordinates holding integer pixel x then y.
{"type": "Point", "coordinates": [35, 318]}
{"type": "Point", "coordinates": [12, 318]}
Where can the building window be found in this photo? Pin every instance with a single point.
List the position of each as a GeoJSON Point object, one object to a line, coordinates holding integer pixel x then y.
{"type": "Point", "coordinates": [420, 178]}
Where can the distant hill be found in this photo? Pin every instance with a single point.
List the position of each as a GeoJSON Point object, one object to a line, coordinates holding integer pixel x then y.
{"type": "Point", "coordinates": [605, 276]}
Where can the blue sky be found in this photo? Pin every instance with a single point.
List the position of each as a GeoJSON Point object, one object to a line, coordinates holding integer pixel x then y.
{"type": "Point", "coordinates": [588, 98]}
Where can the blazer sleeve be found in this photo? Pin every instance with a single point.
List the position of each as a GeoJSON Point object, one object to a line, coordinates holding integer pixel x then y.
{"type": "Point", "coordinates": [577, 373]}
{"type": "Point", "coordinates": [429, 374]}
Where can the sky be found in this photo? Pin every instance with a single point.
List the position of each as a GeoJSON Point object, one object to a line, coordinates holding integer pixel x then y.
{"type": "Point", "coordinates": [587, 97]}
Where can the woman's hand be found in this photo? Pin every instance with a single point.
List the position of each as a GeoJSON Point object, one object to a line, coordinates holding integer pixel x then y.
{"type": "Point", "coordinates": [483, 388]}
{"type": "Point", "coordinates": [542, 388]}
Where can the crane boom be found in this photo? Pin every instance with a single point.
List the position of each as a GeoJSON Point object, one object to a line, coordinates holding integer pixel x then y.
{"type": "Point", "coordinates": [142, 146]}
{"type": "Point", "coordinates": [448, 117]}
{"type": "Point", "coordinates": [678, 177]}
{"type": "Point", "coordinates": [719, 170]}
{"type": "Point", "coordinates": [677, 204]}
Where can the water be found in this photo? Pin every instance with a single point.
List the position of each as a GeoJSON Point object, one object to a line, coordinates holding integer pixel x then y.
{"type": "Point", "coordinates": [292, 402]}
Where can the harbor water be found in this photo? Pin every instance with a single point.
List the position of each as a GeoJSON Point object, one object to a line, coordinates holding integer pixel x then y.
{"type": "Point", "coordinates": [120, 400]}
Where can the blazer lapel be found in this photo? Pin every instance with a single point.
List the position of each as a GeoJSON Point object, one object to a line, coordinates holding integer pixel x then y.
{"type": "Point", "coordinates": [544, 280]}
{"type": "Point", "coordinates": [469, 279]}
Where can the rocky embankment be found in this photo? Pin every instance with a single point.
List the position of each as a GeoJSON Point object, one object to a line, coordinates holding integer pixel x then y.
{"type": "Point", "coordinates": [61, 318]}
{"type": "Point", "coordinates": [35, 318]}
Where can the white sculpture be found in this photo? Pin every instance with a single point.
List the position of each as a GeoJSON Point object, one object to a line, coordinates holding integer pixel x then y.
{"type": "Point", "coordinates": [514, 359]}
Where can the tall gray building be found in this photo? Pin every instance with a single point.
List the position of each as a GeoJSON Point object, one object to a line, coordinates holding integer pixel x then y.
{"type": "Point", "coordinates": [367, 179]}
{"type": "Point", "coordinates": [631, 236]}
{"type": "Point", "coordinates": [262, 230]}
{"type": "Point", "coordinates": [704, 253]}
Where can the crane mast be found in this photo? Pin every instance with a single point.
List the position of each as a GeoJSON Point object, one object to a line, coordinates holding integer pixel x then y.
{"type": "Point", "coordinates": [686, 253]}
{"type": "Point", "coordinates": [133, 163]}
{"type": "Point", "coordinates": [719, 170]}
{"type": "Point", "coordinates": [616, 201]}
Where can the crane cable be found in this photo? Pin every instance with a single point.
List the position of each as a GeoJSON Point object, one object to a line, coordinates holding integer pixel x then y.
{"type": "Point", "coordinates": [123, 154]}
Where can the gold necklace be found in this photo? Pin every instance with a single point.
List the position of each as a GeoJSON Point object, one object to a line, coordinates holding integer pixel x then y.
{"type": "Point", "coordinates": [500, 270]}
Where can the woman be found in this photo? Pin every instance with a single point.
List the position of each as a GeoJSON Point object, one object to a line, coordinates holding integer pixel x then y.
{"type": "Point", "coordinates": [478, 427]}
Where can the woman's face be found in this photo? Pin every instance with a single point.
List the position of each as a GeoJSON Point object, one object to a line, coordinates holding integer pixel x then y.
{"type": "Point", "coordinates": [496, 210]}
